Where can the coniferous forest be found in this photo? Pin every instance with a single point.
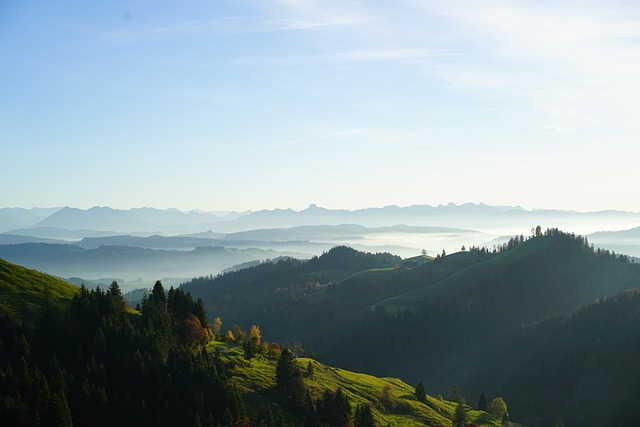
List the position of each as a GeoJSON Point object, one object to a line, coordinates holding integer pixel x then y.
{"type": "Point", "coordinates": [541, 330]}
{"type": "Point", "coordinates": [97, 364]}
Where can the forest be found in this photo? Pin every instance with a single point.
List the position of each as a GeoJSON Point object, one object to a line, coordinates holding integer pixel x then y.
{"type": "Point", "coordinates": [471, 319]}
{"type": "Point", "coordinates": [97, 363]}
{"type": "Point", "coordinates": [548, 324]}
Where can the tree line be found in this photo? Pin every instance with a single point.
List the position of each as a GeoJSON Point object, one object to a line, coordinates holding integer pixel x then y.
{"type": "Point", "coordinates": [98, 363]}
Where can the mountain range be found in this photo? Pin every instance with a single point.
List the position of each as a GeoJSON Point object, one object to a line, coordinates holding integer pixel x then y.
{"type": "Point", "coordinates": [172, 221]}
{"type": "Point", "coordinates": [153, 243]}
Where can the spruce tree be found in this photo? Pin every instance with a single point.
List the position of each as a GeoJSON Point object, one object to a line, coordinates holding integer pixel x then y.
{"type": "Point", "coordinates": [61, 411]}
{"type": "Point", "coordinates": [421, 393]}
{"type": "Point", "coordinates": [460, 416]}
{"type": "Point", "coordinates": [364, 416]}
{"type": "Point", "coordinates": [286, 370]}
{"type": "Point", "coordinates": [482, 402]}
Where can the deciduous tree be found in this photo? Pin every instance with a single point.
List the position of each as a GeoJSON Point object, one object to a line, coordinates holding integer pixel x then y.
{"type": "Point", "coordinates": [498, 408]}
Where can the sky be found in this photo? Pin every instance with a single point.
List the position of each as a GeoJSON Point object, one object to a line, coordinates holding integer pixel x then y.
{"type": "Point", "coordinates": [262, 104]}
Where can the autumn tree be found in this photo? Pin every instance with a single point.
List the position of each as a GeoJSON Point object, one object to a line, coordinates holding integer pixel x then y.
{"type": "Point", "coordinates": [195, 334]}
{"type": "Point", "coordinates": [252, 345]}
{"type": "Point", "coordinates": [217, 326]}
{"type": "Point", "coordinates": [274, 350]}
{"type": "Point", "coordinates": [255, 337]}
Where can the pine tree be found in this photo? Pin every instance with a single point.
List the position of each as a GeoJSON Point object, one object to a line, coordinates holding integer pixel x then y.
{"type": "Point", "coordinates": [201, 313]}
{"type": "Point", "coordinates": [61, 411]}
{"type": "Point", "coordinates": [278, 418]}
{"type": "Point", "coordinates": [421, 393]}
{"type": "Point", "coordinates": [342, 408]}
{"type": "Point", "coordinates": [118, 303]}
{"type": "Point", "coordinates": [460, 416]}
{"type": "Point", "coordinates": [482, 402]}
{"type": "Point", "coordinates": [157, 294]}
{"type": "Point", "coordinates": [265, 417]}
{"type": "Point", "coordinates": [286, 369]}
{"type": "Point", "coordinates": [455, 395]}
{"type": "Point", "coordinates": [364, 416]}
{"type": "Point", "coordinates": [559, 422]}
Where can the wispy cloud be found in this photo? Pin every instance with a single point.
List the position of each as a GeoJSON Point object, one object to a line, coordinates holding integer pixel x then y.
{"type": "Point", "coordinates": [356, 55]}
{"type": "Point", "coordinates": [572, 63]}
{"type": "Point", "coordinates": [332, 135]}
{"type": "Point", "coordinates": [161, 31]}
{"type": "Point", "coordinates": [577, 63]}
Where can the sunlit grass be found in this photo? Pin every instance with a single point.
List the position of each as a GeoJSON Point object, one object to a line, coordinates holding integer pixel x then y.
{"type": "Point", "coordinates": [256, 379]}
{"type": "Point", "coordinates": [24, 292]}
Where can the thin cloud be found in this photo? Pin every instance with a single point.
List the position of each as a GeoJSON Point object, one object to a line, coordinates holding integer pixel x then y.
{"type": "Point", "coordinates": [151, 32]}
{"type": "Point", "coordinates": [385, 54]}
{"type": "Point", "coordinates": [347, 132]}
{"type": "Point", "coordinates": [357, 55]}
{"type": "Point", "coordinates": [577, 65]}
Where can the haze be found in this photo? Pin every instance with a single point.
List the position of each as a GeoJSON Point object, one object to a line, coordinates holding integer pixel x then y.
{"type": "Point", "coordinates": [237, 105]}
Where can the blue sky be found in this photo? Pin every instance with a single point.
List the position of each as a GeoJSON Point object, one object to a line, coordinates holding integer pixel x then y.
{"type": "Point", "coordinates": [237, 105]}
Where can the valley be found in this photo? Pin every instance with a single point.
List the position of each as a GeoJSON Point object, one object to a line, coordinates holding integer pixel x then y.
{"type": "Point", "coordinates": [514, 319]}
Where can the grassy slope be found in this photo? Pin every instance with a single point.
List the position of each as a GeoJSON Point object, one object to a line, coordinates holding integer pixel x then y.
{"type": "Point", "coordinates": [420, 259]}
{"type": "Point", "coordinates": [375, 279]}
{"type": "Point", "coordinates": [24, 292]}
{"type": "Point", "coordinates": [256, 377]}
{"type": "Point", "coordinates": [463, 280]}
{"type": "Point", "coordinates": [606, 277]}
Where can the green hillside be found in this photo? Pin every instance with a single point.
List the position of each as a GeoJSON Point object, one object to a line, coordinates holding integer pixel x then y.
{"type": "Point", "coordinates": [255, 378]}
{"type": "Point", "coordinates": [23, 292]}
{"type": "Point", "coordinates": [447, 321]}
{"type": "Point", "coordinates": [465, 279]}
{"type": "Point", "coordinates": [596, 278]}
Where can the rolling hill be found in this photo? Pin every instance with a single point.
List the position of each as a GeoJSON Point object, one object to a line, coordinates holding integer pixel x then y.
{"type": "Point", "coordinates": [434, 321]}
{"type": "Point", "coordinates": [81, 362]}
{"type": "Point", "coordinates": [24, 292]}
{"type": "Point", "coordinates": [256, 379]}
{"type": "Point", "coordinates": [556, 256]}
